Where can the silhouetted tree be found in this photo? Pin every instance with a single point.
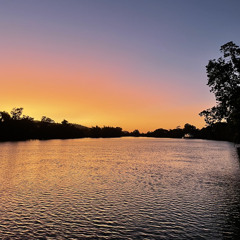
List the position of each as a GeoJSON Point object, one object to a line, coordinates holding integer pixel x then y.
{"type": "Point", "coordinates": [224, 81]}
{"type": "Point", "coordinates": [188, 128]}
{"type": "Point", "coordinates": [96, 132]}
{"type": "Point", "coordinates": [136, 133]}
{"type": "Point", "coordinates": [176, 133]}
{"type": "Point", "coordinates": [4, 116]}
{"type": "Point", "coordinates": [16, 113]}
{"type": "Point", "coordinates": [64, 122]}
{"type": "Point", "coordinates": [160, 132]}
{"type": "Point", "coordinates": [47, 120]}
{"type": "Point", "coordinates": [111, 132]}
{"type": "Point", "coordinates": [27, 118]}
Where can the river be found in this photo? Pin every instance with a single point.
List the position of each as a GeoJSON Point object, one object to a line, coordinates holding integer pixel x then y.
{"type": "Point", "coordinates": [123, 188]}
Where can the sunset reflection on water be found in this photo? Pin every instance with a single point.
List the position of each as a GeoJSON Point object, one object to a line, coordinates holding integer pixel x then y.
{"type": "Point", "coordinates": [119, 188]}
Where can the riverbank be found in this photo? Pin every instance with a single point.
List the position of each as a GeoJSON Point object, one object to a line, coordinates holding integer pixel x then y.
{"type": "Point", "coordinates": [15, 127]}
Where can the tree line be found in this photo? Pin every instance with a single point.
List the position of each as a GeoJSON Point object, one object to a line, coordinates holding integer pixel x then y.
{"type": "Point", "coordinates": [224, 81]}
{"type": "Point", "coordinates": [15, 126]}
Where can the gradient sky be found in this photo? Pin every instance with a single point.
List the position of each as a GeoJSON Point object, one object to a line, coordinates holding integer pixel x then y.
{"type": "Point", "coordinates": [137, 64]}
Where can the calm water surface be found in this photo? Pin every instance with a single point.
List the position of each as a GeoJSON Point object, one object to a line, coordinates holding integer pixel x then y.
{"type": "Point", "coordinates": [127, 188]}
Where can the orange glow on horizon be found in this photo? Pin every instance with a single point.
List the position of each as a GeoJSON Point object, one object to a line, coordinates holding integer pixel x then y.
{"type": "Point", "coordinates": [92, 92]}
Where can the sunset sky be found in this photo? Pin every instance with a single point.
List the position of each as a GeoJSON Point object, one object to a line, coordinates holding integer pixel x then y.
{"type": "Point", "coordinates": [137, 64]}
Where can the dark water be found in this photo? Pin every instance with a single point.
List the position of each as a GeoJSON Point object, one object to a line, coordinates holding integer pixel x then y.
{"type": "Point", "coordinates": [128, 188]}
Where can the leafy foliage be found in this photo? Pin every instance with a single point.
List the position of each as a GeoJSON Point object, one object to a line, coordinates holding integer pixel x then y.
{"type": "Point", "coordinates": [47, 120]}
{"type": "Point", "coordinates": [16, 113]}
{"type": "Point", "coordinates": [224, 81]}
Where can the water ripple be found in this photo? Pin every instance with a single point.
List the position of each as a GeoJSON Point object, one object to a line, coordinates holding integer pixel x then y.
{"type": "Point", "coordinates": [124, 188]}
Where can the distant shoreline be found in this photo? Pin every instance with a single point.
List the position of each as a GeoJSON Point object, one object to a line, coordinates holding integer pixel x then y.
{"type": "Point", "coordinates": [18, 127]}
{"type": "Point", "coordinates": [237, 146]}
